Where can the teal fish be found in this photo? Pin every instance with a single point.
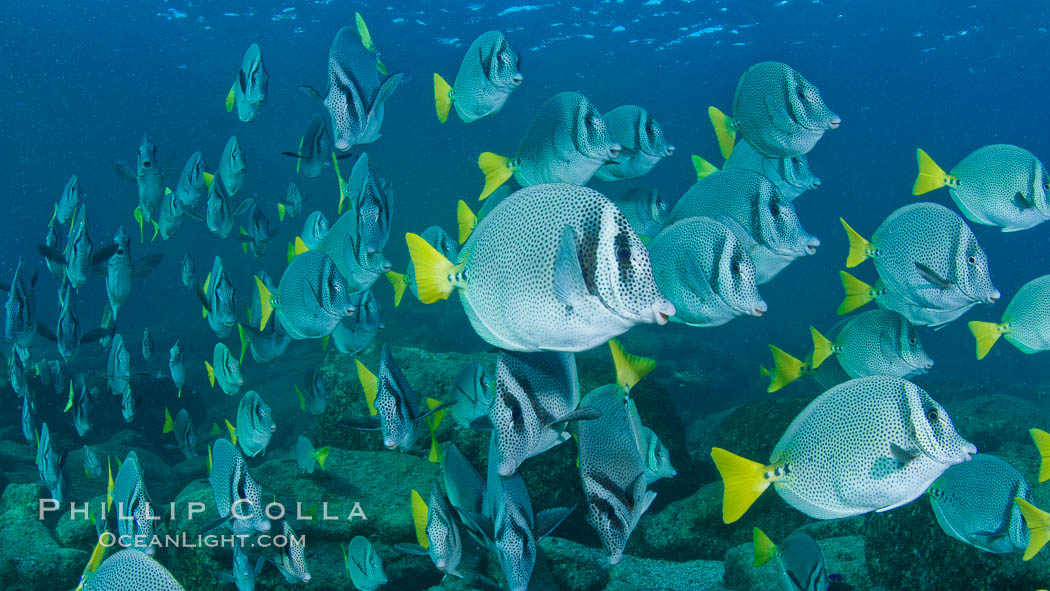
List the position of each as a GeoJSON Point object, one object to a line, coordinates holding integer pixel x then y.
{"type": "Point", "coordinates": [147, 345]}
{"type": "Point", "coordinates": [219, 299]}
{"type": "Point", "coordinates": [188, 269]}
{"type": "Point", "coordinates": [472, 394]}
{"type": "Point", "coordinates": [248, 92]}
{"type": "Point", "coordinates": [131, 570]}
{"type": "Point", "coordinates": [257, 235]}
{"type": "Point", "coordinates": [121, 269]}
{"type": "Point", "coordinates": [315, 399]}
{"type": "Point", "coordinates": [547, 296]}
{"type": "Point", "coordinates": [311, 299]}
{"type": "Point", "coordinates": [292, 203]}
{"type": "Point", "coordinates": [799, 561]}
{"type": "Point", "coordinates": [169, 216]}
{"type": "Point", "coordinates": [220, 216]}
{"type": "Point", "coordinates": [83, 403]}
{"type": "Point", "coordinates": [642, 143]}
{"type": "Point", "coordinates": [356, 332]}
{"type": "Point", "coordinates": [315, 150]}
{"type": "Point", "coordinates": [356, 240]}
{"type": "Point", "coordinates": [224, 369]}
{"type": "Point", "coordinates": [231, 483]}
{"type": "Point", "coordinates": [436, 532]}
{"type": "Point", "coordinates": [364, 565]}
{"type": "Point", "coordinates": [232, 167]}
{"type": "Point", "coordinates": [193, 183]}
{"type": "Point", "coordinates": [20, 322]}
{"type": "Point", "coordinates": [150, 179]}
{"type": "Point", "coordinates": [92, 463]}
{"type": "Point", "coordinates": [244, 573]}
{"type": "Point", "coordinates": [29, 418]}
{"type": "Point", "coordinates": [315, 229]}
{"type": "Point", "coordinates": [185, 433]}
{"type": "Point", "coordinates": [177, 366]}
{"type": "Point", "coordinates": [53, 242]}
{"type": "Point", "coordinates": [68, 202]}
{"type": "Point", "coordinates": [442, 242]}
{"type": "Point", "coordinates": [792, 176]}
{"type": "Point", "coordinates": [291, 561]}
{"type": "Point", "coordinates": [50, 465]}
{"type": "Point", "coordinates": [875, 343]}
{"type": "Point", "coordinates": [255, 424]}
{"type": "Point", "coordinates": [645, 209]}
{"type": "Point", "coordinates": [269, 343]}
{"type": "Point", "coordinates": [1025, 323]}
{"type": "Point", "coordinates": [307, 457]}
{"type": "Point", "coordinates": [131, 501]}
{"type": "Point", "coordinates": [118, 366]}
{"type": "Point", "coordinates": [487, 75]}
{"type": "Point", "coordinates": [655, 456]}
{"type": "Point", "coordinates": [79, 257]}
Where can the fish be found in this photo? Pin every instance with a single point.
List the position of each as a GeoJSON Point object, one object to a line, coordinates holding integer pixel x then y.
{"type": "Point", "coordinates": [83, 402]}
{"type": "Point", "coordinates": [315, 152]}
{"type": "Point", "coordinates": [356, 96]}
{"type": "Point", "coordinates": [17, 372]}
{"type": "Point", "coordinates": [436, 532]}
{"type": "Point", "coordinates": [92, 464]}
{"type": "Point", "coordinates": [870, 444]}
{"type": "Point", "coordinates": [232, 167]}
{"type": "Point", "coordinates": [487, 76]}
{"type": "Point", "coordinates": [751, 207]}
{"type": "Point", "coordinates": [224, 369]}
{"type": "Point", "coordinates": [220, 216]}
{"type": "Point", "coordinates": [612, 469]}
{"type": "Point", "coordinates": [567, 142]}
{"type": "Point", "coordinates": [269, 343]}
{"type": "Point", "coordinates": [356, 240]}
{"type": "Point", "coordinates": [775, 109]}
{"type": "Point", "coordinates": [355, 333]}
{"type": "Point", "coordinates": [193, 183]}
{"type": "Point", "coordinates": [792, 176]}
{"type": "Point", "coordinates": [248, 92]}
{"type": "Point", "coordinates": [238, 496]}
{"type": "Point", "coordinates": [536, 396]}
{"type": "Point", "coordinates": [291, 561]}
{"type": "Point", "coordinates": [998, 185]}
{"type": "Point", "coordinates": [442, 242]}
{"type": "Point", "coordinates": [54, 242]}
{"type": "Point", "coordinates": [150, 180]}
{"type": "Point", "coordinates": [398, 408]}
{"type": "Point", "coordinates": [315, 229]}
{"type": "Point", "coordinates": [704, 270]}
{"type": "Point", "coordinates": [927, 256]}
{"type": "Point", "coordinates": [79, 256]}
{"type": "Point", "coordinates": [128, 405]}
{"type": "Point", "coordinates": [549, 295]}
{"type": "Point", "coordinates": [1025, 323]}
{"type": "Point", "coordinates": [311, 298]}
{"type": "Point", "coordinates": [133, 505]}
{"type": "Point", "coordinates": [645, 209]}
{"type": "Point", "coordinates": [471, 396]}
{"type": "Point", "coordinates": [244, 574]}
{"type": "Point", "coordinates": [118, 367]}
{"type": "Point", "coordinates": [872, 343]}
{"type": "Point", "coordinates": [50, 465]}
{"type": "Point", "coordinates": [169, 216]}
{"type": "Point", "coordinates": [68, 201]}
{"type": "Point", "coordinates": [642, 143]}
{"type": "Point", "coordinates": [20, 323]}
{"type": "Point", "coordinates": [147, 345]}
{"type": "Point", "coordinates": [67, 330]}
{"type": "Point", "coordinates": [364, 565]}
{"type": "Point", "coordinates": [974, 503]}
{"type": "Point", "coordinates": [29, 418]}
{"type": "Point", "coordinates": [292, 203]}
{"type": "Point", "coordinates": [188, 268]}
{"type": "Point", "coordinates": [257, 236]}
{"type": "Point", "coordinates": [185, 432]}
{"type": "Point", "coordinates": [255, 424]}
{"type": "Point", "coordinates": [467, 220]}
{"type": "Point", "coordinates": [121, 269]}
{"type": "Point", "coordinates": [799, 562]}
{"type": "Point", "coordinates": [131, 570]}
{"type": "Point", "coordinates": [177, 366]}
{"type": "Point", "coordinates": [219, 299]}
{"type": "Point", "coordinates": [315, 399]}
{"type": "Point", "coordinates": [656, 458]}
{"type": "Point", "coordinates": [307, 457]}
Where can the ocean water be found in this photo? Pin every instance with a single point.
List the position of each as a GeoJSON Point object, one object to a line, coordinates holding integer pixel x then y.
{"type": "Point", "coordinates": [82, 82]}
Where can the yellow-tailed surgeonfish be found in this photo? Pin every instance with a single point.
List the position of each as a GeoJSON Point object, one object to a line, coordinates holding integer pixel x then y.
{"type": "Point", "coordinates": [248, 92]}
{"type": "Point", "coordinates": [1025, 323]}
{"type": "Point", "coordinates": [642, 143]}
{"type": "Point", "coordinates": [487, 75]}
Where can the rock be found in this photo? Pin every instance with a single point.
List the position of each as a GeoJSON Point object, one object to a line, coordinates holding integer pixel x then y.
{"type": "Point", "coordinates": [160, 483]}
{"type": "Point", "coordinates": [30, 557]}
{"type": "Point", "coordinates": [78, 531]}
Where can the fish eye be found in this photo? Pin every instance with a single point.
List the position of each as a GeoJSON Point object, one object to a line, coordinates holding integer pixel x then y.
{"type": "Point", "coordinates": [736, 267]}
{"type": "Point", "coordinates": [913, 341]}
{"type": "Point", "coordinates": [932, 415]}
{"type": "Point", "coordinates": [972, 259]}
{"type": "Point", "coordinates": [623, 254]}
{"type": "Point", "coordinates": [774, 208]}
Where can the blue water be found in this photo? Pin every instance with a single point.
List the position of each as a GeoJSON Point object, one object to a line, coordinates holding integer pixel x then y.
{"type": "Point", "coordinates": [81, 82]}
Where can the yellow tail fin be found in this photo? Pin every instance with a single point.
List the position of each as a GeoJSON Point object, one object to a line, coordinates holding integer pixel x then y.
{"type": "Point", "coordinates": [137, 214]}
{"type": "Point", "coordinates": [497, 170]}
{"type": "Point", "coordinates": [630, 369]}
{"type": "Point", "coordinates": [765, 549]}
{"type": "Point", "coordinates": [859, 247]}
{"type": "Point", "coordinates": [419, 518]}
{"type": "Point", "coordinates": [370, 384]}
{"type": "Point", "coordinates": [858, 293]}
{"type": "Point", "coordinates": [931, 177]}
{"type": "Point", "coordinates": [822, 347]}
{"type": "Point", "coordinates": [362, 32]}
{"type": "Point", "coordinates": [169, 424]}
{"type": "Point", "coordinates": [1038, 527]}
{"type": "Point", "coordinates": [466, 219]}
{"type": "Point", "coordinates": [300, 246]}
{"type": "Point", "coordinates": [703, 167]}
{"type": "Point", "coordinates": [265, 302]}
{"type": "Point", "coordinates": [442, 97]}
{"type": "Point", "coordinates": [281, 210]}
{"type": "Point", "coordinates": [208, 178]}
{"type": "Point", "coordinates": [763, 371]}
{"type": "Point", "coordinates": [433, 271]}
{"type": "Point", "coordinates": [69, 401]}
{"type": "Point", "coordinates": [211, 373]}
{"type": "Point", "coordinates": [1042, 443]}
{"type": "Point", "coordinates": [986, 333]}
{"type": "Point", "coordinates": [397, 280]}
{"type": "Point", "coordinates": [290, 252]}
{"type": "Point", "coordinates": [321, 455]}
{"type": "Point", "coordinates": [723, 130]}
{"type": "Point", "coordinates": [209, 460]}
{"type": "Point", "coordinates": [232, 431]}
{"type": "Point", "coordinates": [109, 484]}
{"type": "Point", "coordinates": [433, 422]}
{"type": "Point", "coordinates": [230, 98]}
{"type": "Point", "coordinates": [302, 399]}
{"type": "Point", "coordinates": [215, 430]}
{"type": "Point", "coordinates": [786, 369]}
{"type": "Point", "coordinates": [744, 481]}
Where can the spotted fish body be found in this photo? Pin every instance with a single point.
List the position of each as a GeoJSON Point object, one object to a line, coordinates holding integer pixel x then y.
{"type": "Point", "coordinates": [645, 209]}
{"type": "Point", "coordinates": [750, 205]}
{"type": "Point", "coordinates": [83, 403]}
{"type": "Point", "coordinates": [487, 76]}
{"type": "Point", "coordinates": [118, 367]}
{"type": "Point", "coordinates": [312, 297]}
{"type": "Point", "coordinates": [445, 547]}
{"type": "Point", "coordinates": [642, 143]}
{"type": "Point", "coordinates": [870, 444]}
{"type": "Point", "coordinates": [177, 366]}
{"type": "Point", "coordinates": [150, 179]}
{"type": "Point", "coordinates": [231, 482]}
{"type": "Point", "coordinates": [132, 503]}
{"type": "Point", "coordinates": [53, 241]}
{"type": "Point", "coordinates": [20, 308]}
{"type": "Point", "coordinates": [612, 469]}
{"type": "Point", "coordinates": [220, 215]}
{"type": "Point", "coordinates": [880, 343]}
{"type": "Point", "coordinates": [442, 242]}
{"type": "Point", "coordinates": [779, 112]}
{"type": "Point", "coordinates": [356, 97]}
{"type": "Point", "coordinates": [232, 167]}
{"type": "Point", "coordinates": [272, 341]}
{"type": "Point", "coordinates": [472, 394]}
{"type": "Point", "coordinates": [567, 142]}
{"type": "Point", "coordinates": [131, 570]}
{"type": "Point", "coordinates": [356, 240]}
{"type": "Point", "coordinates": [291, 562]}
{"type": "Point", "coordinates": [226, 369]}
{"type": "Point", "coordinates": [355, 333]}
{"type": "Point", "coordinates": [292, 204]}
{"type": "Point", "coordinates": [1026, 320]}
{"type": "Point", "coordinates": [315, 151]}
{"type": "Point", "coordinates": [220, 300]}
{"type": "Point", "coordinates": [556, 267]}
{"type": "Point", "coordinates": [258, 233]}
{"type": "Point", "coordinates": [192, 187]}
{"type": "Point", "coordinates": [67, 330]}
{"type": "Point", "coordinates": [249, 91]}
{"type": "Point", "coordinates": [170, 216]}
{"type": "Point", "coordinates": [255, 424]}
{"type": "Point", "coordinates": [974, 503]}
{"type": "Point", "coordinates": [364, 565]}
{"type": "Point", "coordinates": [186, 434]}
{"type": "Point", "coordinates": [119, 272]}
{"type": "Point", "coordinates": [68, 201]}
{"type": "Point", "coordinates": [792, 176]}
{"type": "Point", "coordinates": [400, 408]}
{"type": "Point", "coordinates": [704, 271]}
{"type": "Point", "coordinates": [315, 229]}
{"type": "Point", "coordinates": [50, 464]}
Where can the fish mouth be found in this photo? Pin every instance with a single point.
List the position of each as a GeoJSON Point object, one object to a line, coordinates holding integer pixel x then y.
{"type": "Point", "coordinates": [614, 151]}
{"type": "Point", "coordinates": [342, 144]}
{"type": "Point", "coordinates": [759, 309]}
{"type": "Point", "coordinates": [517, 79]}
{"type": "Point", "coordinates": [834, 122]}
{"type": "Point", "coordinates": [669, 151]}
{"type": "Point", "coordinates": [662, 312]}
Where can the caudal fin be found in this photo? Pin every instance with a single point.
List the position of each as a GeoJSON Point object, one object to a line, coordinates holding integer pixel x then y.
{"type": "Point", "coordinates": [986, 334]}
{"type": "Point", "coordinates": [858, 293]}
{"type": "Point", "coordinates": [442, 97]}
{"type": "Point", "coordinates": [822, 347]}
{"type": "Point", "coordinates": [1042, 443]}
{"type": "Point", "coordinates": [420, 514]}
{"type": "Point", "coordinates": [370, 384]}
{"type": "Point", "coordinates": [230, 98]}
{"type": "Point", "coordinates": [931, 177]}
{"type": "Point", "coordinates": [265, 302]}
{"type": "Point", "coordinates": [786, 369]}
{"type": "Point", "coordinates": [466, 219]}
{"type": "Point", "coordinates": [744, 482]}
{"type": "Point", "coordinates": [859, 247]}
{"type": "Point", "coordinates": [433, 270]}
{"type": "Point", "coordinates": [630, 369]}
{"type": "Point", "coordinates": [321, 455]}
{"type": "Point", "coordinates": [434, 420]}
{"type": "Point", "coordinates": [497, 170]}
{"type": "Point", "coordinates": [211, 373]}
{"type": "Point", "coordinates": [1038, 527]}
{"type": "Point", "coordinates": [765, 549]}
{"type": "Point", "coordinates": [723, 130]}
{"type": "Point", "coordinates": [703, 167]}
{"type": "Point", "coordinates": [397, 281]}
{"type": "Point", "coordinates": [169, 424]}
